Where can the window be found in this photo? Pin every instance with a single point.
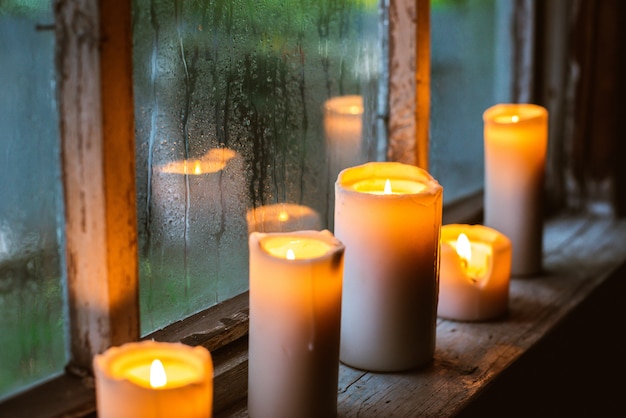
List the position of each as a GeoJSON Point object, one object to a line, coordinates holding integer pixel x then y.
{"type": "Point", "coordinates": [236, 107]}
{"type": "Point", "coordinates": [32, 340]}
{"type": "Point", "coordinates": [177, 116]}
{"type": "Point", "coordinates": [471, 71]}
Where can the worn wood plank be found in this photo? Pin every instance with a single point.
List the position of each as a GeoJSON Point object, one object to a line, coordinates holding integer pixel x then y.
{"type": "Point", "coordinates": [64, 396]}
{"type": "Point", "coordinates": [422, 83]}
{"type": "Point", "coordinates": [213, 328]}
{"type": "Point", "coordinates": [402, 78]}
{"type": "Point", "coordinates": [580, 253]}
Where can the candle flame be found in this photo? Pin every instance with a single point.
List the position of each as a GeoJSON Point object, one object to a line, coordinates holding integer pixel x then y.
{"type": "Point", "coordinates": [464, 248]}
{"type": "Point", "coordinates": [197, 168]}
{"type": "Point", "coordinates": [290, 254]}
{"type": "Point", "coordinates": [158, 378]}
{"type": "Point", "coordinates": [515, 118]}
{"type": "Point", "coordinates": [387, 187]}
{"type": "Point", "coordinates": [283, 216]}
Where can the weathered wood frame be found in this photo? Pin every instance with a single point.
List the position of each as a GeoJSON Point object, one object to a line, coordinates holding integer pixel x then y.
{"type": "Point", "coordinates": [95, 99]}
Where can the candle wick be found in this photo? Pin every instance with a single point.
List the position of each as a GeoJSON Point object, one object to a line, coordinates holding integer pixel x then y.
{"type": "Point", "coordinates": [464, 263]}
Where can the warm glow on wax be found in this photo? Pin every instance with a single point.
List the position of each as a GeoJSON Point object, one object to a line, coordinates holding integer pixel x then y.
{"type": "Point", "coordinates": [388, 215]}
{"type": "Point", "coordinates": [474, 273]}
{"type": "Point", "coordinates": [292, 249]}
{"type": "Point", "coordinates": [158, 378]}
{"type": "Point", "coordinates": [295, 317]}
{"type": "Point", "coordinates": [515, 145]}
{"type": "Point", "coordinates": [151, 379]}
{"type": "Point", "coordinates": [475, 257]}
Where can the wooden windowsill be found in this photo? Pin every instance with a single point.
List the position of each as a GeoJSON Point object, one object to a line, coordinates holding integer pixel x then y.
{"type": "Point", "coordinates": [581, 254]}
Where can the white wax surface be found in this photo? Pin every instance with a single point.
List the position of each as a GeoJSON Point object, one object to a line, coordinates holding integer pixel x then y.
{"type": "Point", "coordinates": [477, 290]}
{"type": "Point", "coordinates": [515, 155]}
{"type": "Point", "coordinates": [295, 313]}
{"type": "Point", "coordinates": [391, 267]}
{"type": "Point", "coordinates": [122, 376]}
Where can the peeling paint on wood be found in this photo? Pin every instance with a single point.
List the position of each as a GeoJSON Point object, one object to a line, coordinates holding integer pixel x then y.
{"type": "Point", "coordinates": [97, 134]}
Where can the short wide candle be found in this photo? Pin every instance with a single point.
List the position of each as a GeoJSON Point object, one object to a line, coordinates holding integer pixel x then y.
{"type": "Point", "coordinates": [126, 384]}
{"type": "Point", "coordinates": [516, 140]}
{"type": "Point", "coordinates": [388, 215]}
{"type": "Point", "coordinates": [295, 313]}
{"type": "Point", "coordinates": [475, 273]}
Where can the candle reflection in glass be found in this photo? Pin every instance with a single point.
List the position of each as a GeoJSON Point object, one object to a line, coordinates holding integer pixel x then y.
{"type": "Point", "coordinates": [343, 128]}
{"type": "Point", "coordinates": [283, 217]}
{"type": "Point", "coordinates": [196, 222]}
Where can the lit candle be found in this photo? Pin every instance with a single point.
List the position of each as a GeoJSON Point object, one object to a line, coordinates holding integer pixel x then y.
{"type": "Point", "coordinates": [516, 137]}
{"type": "Point", "coordinates": [295, 312]}
{"type": "Point", "coordinates": [389, 306]}
{"type": "Point", "coordinates": [475, 273]}
{"type": "Point", "coordinates": [154, 379]}
{"type": "Point", "coordinates": [283, 217]}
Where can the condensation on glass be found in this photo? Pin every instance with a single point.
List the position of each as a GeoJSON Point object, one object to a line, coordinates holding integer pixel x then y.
{"type": "Point", "coordinates": [471, 59]}
{"type": "Point", "coordinates": [245, 112]}
{"type": "Point", "coordinates": [32, 344]}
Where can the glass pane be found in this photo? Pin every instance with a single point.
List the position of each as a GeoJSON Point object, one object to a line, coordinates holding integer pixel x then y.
{"type": "Point", "coordinates": [32, 343]}
{"type": "Point", "coordinates": [233, 134]}
{"type": "Point", "coordinates": [470, 71]}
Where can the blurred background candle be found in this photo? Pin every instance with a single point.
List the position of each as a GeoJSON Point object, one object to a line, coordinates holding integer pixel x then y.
{"type": "Point", "coordinates": [152, 379]}
{"type": "Point", "coordinates": [389, 306]}
{"type": "Point", "coordinates": [343, 128]}
{"type": "Point", "coordinates": [295, 313]}
{"type": "Point", "coordinates": [474, 274]}
{"type": "Point", "coordinates": [516, 139]}
{"type": "Point", "coordinates": [283, 217]}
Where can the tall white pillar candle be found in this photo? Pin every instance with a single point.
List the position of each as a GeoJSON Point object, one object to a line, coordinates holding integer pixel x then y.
{"type": "Point", "coordinates": [516, 140]}
{"type": "Point", "coordinates": [128, 385]}
{"type": "Point", "coordinates": [295, 313]}
{"type": "Point", "coordinates": [475, 272]}
{"type": "Point", "coordinates": [389, 306]}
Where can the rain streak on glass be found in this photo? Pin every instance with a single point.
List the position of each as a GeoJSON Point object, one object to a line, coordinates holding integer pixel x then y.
{"type": "Point", "coordinates": [234, 135]}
